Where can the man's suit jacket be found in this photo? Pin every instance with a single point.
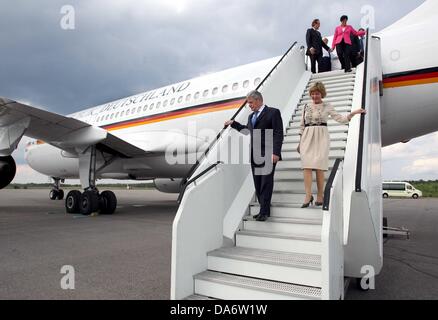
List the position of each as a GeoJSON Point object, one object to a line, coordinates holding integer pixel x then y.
{"type": "Point", "coordinates": [269, 119]}
{"type": "Point", "coordinates": [314, 40]}
{"type": "Point", "coordinates": [346, 36]}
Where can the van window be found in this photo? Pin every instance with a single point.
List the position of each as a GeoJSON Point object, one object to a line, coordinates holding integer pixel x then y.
{"type": "Point", "coordinates": [394, 186]}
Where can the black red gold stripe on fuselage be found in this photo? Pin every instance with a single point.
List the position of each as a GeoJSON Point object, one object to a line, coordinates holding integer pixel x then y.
{"type": "Point", "coordinates": [178, 114]}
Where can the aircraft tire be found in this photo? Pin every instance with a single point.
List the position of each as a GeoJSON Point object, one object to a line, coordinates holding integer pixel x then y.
{"type": "Point", "coordinates": [72, 201]}
{"type": "Point", "coordinates": [108, 202]}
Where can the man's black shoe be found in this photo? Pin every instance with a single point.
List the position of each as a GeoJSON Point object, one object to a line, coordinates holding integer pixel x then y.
{"type": "Point", "coordinates": [262, 218]}
{"type": "Point", "coordinates": [256, 217]}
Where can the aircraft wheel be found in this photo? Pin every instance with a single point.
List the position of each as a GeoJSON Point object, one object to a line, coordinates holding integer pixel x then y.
{"type": "Point", "coordinates": [108, 202]}
{"type": "Point", "coordinates": [89, 203]}
{"type": "Point", "coordinates": [53, 194]}
{"type": "Point", "coordinates": [72, 201]}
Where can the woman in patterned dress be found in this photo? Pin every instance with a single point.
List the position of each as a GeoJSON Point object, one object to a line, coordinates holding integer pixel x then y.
{"type": "Point", "coordinates": [315, 140]}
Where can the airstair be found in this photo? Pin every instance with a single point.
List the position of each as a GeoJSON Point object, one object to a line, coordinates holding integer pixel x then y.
{"type": "Point", "coordinates": [220, 252]}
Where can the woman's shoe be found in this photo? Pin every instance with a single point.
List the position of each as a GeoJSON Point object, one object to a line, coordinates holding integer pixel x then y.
{"type": "Point", "coordinates": [319, 204]}
{"type": "Point", "coordinates": [306, 205]}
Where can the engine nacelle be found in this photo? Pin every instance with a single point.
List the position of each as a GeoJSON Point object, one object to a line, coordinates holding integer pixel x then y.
{"type": "Point", "coordinates": [8, 169]}
{"type": "Point", "coordinates": [168, 185]}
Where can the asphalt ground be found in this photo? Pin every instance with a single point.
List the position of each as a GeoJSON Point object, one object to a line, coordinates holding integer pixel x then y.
{"type": "Point", "coordinates": [128, 255]}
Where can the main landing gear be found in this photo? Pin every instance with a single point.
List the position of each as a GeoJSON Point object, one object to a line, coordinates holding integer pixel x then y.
{"type": "Point", "coordinates": [56, 193]}
{"type": "Point", "coordinates": [90, 200]}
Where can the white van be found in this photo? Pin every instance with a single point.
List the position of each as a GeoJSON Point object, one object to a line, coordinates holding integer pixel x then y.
{"type": "Point", "coordinates": [400, 190]}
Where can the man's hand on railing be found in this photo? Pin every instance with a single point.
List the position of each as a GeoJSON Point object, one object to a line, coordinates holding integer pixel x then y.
{"type": "Point", "coordinates": [228, 123]}
{"type": "Point", "coordinates": [275, 159]}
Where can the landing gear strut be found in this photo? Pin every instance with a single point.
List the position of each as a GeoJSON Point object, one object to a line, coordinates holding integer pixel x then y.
{"type": "Point", "coordinates": [90, 200]}
{"type": "Point", "coordinates": [56, 193]}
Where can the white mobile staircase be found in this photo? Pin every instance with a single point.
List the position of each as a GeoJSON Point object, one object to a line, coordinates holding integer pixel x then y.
{"type": "Point", "coordinates": [220, 252]}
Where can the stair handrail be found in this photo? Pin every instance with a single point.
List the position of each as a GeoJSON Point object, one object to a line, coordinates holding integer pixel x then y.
{"type": "Point", "coordinates": [329, 185]}
{"type": "Point", "coordinates": [187, 181]}
{"type": "Point", "coordinates": [362, 118]}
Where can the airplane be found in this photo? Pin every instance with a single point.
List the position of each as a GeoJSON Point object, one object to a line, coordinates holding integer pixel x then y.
{"type": "Point", "coordinates": [127, 139]}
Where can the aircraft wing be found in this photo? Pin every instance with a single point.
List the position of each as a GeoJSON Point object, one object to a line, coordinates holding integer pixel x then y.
{"type": "Point", "coordinates": [18, 120]}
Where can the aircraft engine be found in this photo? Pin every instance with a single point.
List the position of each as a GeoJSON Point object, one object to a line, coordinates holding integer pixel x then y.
{"type": "Point", "coordinates": [168, 185]}
{"type": "Point", "coordinates": [7, 171]}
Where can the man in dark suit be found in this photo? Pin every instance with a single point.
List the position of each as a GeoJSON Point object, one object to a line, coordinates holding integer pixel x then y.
{"type": "Point", "coordinates": [357, 49]}
{"type": "Point", "coordinates": [265, 126]}
{"type": "Point", "coordinates": [315, 44]}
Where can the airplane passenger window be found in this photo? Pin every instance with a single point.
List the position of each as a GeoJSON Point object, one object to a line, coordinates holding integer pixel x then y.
{"type": "Point", "coordinates": [165, 104]}
{"type": "Point", "coordinates": [205, 93]}
{"type": "Point", "coordinates": [139, 110]}
{"type": "Point", "coordinates": [172, 101]}
{"type": "Point", "coordinates": [215, 91]}
{"type": "Point", "coordinates": [235, 86]}
{"type": "Point", "coordinates": [257, 81]}
{"type": "Point", "coordinates": [180, 99]}
{"type": "Point", "coordinates": [152, 105]}
{"type": "Point", "coordinates": [158, 104]}
{"type": "Point", "coordinates": [98, 118]}
{"type": "Point", "coordinates": [133, 111]}
{"type": "Point", "coordinates": [246, 84]}
{"type": "Point", "coordinates": [107, 117]}
{"type": "Point", "coordinates": [145, 107]}
{"type": "Point", "coordinates": [189, 96]}
{"type": "Point", "coordinates": [225, 89]}
{"type": "Point", "coordinates": [112, 115]}
{"type": "Point", "coordinates": [117, 114]}
{"type": "Point", "coordinates": [197, 95]}
{"type": "Point", "coordinates": [122, 114]}
{"type": "Point", "coordinates": [127, 112]}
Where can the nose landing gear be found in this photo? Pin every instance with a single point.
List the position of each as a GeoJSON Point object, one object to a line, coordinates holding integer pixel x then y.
{"type": "Point", "coordinates": [56, 193]}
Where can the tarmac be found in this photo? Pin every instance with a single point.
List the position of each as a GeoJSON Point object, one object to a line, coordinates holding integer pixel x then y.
{"type": "Point", "coordinates": [128, 255]}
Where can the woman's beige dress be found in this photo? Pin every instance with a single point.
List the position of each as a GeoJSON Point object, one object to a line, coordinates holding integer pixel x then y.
{"type": "Point", "coordinates": [315, 141]}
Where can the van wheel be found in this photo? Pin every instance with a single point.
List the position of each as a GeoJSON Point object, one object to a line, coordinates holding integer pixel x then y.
{"type": "Point", "coordinates": [385, 196]}
{"type": "Point", "coordinates": [415, 196]}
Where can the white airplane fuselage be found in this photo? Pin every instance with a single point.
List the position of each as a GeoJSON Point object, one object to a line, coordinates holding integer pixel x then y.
{"type": "Point", "coordinates": [190, 114]}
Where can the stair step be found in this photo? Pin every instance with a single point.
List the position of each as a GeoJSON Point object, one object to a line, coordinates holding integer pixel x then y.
{"type": "Point", "coordinates": [337, 77]}
{"type": "Point", "coordinates": [284, 226]}
{"type": "Point", "coordinates": [331, 74]}
{"type": "Point", "coordinates": [295, 186]}
{"type": "Point", "coordinates": [292, 211]}
{"type": "Point", "coordinates": [288, 197]}
{"type": "Point", "coordinates": [296, 268]}
{"type": "Point", "coordinates": [330, 86]}
{"type": "Point", "coordinates": [329, 82]}
{"type": "Point", "coordinates": [233, 287]}
{"type": "Point", "coordinates": [297, 243]}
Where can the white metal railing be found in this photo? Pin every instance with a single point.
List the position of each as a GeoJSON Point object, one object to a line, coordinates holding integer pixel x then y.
{"type": "Point", "coordinates": [212, 208]}
{"type": "Point", "coordinates": [332, 258]}
{"type": "Point", "coordinates": [363, 238]}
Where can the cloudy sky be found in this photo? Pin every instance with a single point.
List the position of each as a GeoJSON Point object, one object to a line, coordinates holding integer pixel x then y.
{"type": "Point", "coordinates": [119, 48]}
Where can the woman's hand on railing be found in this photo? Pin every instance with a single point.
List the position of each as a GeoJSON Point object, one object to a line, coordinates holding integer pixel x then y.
{"type": "Point", "coordinates": [356, 112]}
{"type": "Point", "coordinates": [228, 123]}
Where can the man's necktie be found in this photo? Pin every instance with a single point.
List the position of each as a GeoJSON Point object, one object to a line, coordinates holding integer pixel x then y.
{"type": "Point", "coordinates": [254, 119]}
